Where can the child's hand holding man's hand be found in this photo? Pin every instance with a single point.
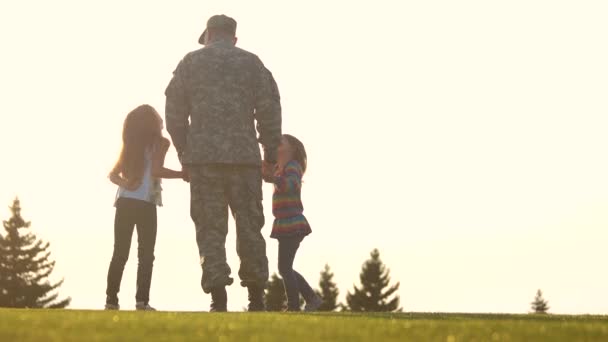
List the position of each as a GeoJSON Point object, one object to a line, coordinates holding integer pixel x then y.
{"type": "Point", "coordinates": [267, 171]}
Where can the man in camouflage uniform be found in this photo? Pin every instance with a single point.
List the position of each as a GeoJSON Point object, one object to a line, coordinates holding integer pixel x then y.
{"type": "Point", "coordinates": [216, 95]}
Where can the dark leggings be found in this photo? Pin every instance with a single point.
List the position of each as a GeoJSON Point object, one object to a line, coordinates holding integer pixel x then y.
{"type": "Point", "coordinates": [132, 213]}
{"type": "Point", "coordinates": [293, 281]}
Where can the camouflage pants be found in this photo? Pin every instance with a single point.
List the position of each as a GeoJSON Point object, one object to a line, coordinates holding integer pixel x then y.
{"type": "Point", "coordinates": [215, 188]}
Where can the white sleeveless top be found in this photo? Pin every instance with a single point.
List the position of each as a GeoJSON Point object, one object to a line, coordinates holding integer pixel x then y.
{"type": "Point", "coordinates": [149, 190]}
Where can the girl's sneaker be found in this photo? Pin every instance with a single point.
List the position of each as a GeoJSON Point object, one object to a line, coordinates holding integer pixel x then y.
{"type": "Point", "coordinates": [112, 306]}
{"type": "Point", "coordinates": [141, 306]}
{"type": "Point", "coordinates": [314, 304]}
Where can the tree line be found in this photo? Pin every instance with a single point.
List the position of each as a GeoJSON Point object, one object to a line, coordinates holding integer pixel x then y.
{"type": "Point", "coordinates": [26, 264]}
{"type": "Point", "coordinates": [373, 295]}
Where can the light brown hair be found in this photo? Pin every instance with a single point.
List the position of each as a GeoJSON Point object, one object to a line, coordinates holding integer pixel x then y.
{"type": "Point", "coordinates": [141, 130]}
{"type": "Point", "coordinates": [299, 152]}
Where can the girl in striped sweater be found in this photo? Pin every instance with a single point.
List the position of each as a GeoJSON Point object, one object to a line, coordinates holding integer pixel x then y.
{"type": "Point", "coordinates": [290, 226]}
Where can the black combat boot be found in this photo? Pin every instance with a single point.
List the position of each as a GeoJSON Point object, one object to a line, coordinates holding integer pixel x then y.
{"type": "Point", "coordinates": [219, 300]}
{"type": "Point", "coordinates": [256, 298]}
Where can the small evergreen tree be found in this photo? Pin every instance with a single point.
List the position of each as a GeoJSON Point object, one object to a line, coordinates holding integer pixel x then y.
{"type": "Point", "coordinates": [328, 290]}
{"type": "Point", "coordinates": [276, 298]}
{"type": "Point", "coordinates": [374, 293]}
{"type": "Point", "coordinates": [540, 305]}
{"type": "Point", "coordinates": [25, 266]}
{"type": "Point", "coordinates": [275, 294]}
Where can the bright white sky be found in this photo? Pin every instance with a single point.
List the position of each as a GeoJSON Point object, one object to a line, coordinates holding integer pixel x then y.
{"type": "Point", "coordinates": [466, 140]}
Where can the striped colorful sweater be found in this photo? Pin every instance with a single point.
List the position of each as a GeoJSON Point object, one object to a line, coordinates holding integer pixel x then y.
{"type": "Point", "coordinates": [287, 205]}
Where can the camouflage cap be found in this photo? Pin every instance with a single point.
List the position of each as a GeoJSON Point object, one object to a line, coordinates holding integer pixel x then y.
{"type": "Point", "coordinates": [221, 21]}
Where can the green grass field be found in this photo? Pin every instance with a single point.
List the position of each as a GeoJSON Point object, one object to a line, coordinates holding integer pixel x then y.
{"type": "Point", "coordinates": [72, 325]}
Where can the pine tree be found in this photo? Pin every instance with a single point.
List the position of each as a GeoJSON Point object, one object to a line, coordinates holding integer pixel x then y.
{"type": "Point", "coordinates": [374, 294]}
{"type": "Point", "coordinates": [25, 267]}
{"type": "Point", "coordinates": [275, 294]}
{"type": "Point", "coordinates": [540, 305]}
{"type": "Point", "coordinates": [276, 299]}
{"type": "Point", "coordinates": [328, 290]}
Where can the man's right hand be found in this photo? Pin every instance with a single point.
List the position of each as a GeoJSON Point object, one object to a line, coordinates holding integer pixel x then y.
{"type": "Point", "coordinates": [268, 171]}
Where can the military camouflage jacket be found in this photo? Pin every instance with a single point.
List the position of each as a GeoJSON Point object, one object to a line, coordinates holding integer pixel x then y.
{"type": "Point", "coordinates": [216, 96]}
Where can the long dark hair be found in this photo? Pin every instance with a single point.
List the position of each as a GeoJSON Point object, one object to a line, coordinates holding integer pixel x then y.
{"type": "Point", "coordinates": [299, 152]}
{"type": "Point", "coordinates": [140, 131]}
